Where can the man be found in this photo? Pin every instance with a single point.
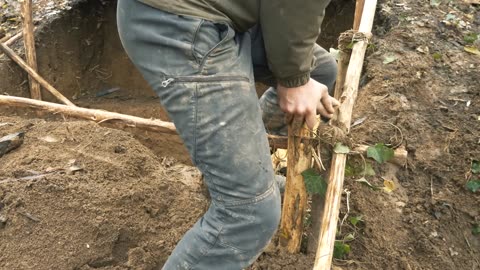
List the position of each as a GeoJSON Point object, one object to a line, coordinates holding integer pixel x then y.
{"type": "Point", "coordinates": [201, 58]}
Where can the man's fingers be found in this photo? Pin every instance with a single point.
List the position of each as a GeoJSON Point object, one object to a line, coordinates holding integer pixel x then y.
{"type": "Point", "coordinates": [335, 102]}
{"type": "Point", "coordinates": [311, 120]}
{"type": "Point", "coordinates": [327, 102]}
{"type": "Point", "coordinates": [323, 111]}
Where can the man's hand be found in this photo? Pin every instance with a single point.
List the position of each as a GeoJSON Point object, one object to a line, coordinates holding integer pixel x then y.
{"type": "Point", "coordinates": [306, 100]}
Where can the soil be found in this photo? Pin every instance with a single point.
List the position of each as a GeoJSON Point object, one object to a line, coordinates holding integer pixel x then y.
{"type": "Point", "coordinates": [76, 195]}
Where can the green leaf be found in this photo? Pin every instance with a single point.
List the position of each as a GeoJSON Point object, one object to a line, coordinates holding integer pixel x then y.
{"type": "Point", "coordinates": [389, 59]}
{"type": "Point", "coordinates": [314, 183]}
{"type": "Point", "coordinates": [356, 220]}
{"type": "Point", "coordinates": [473, 185]}
{"type": "Point", "coordinates": [349, 237]}
{"type": "Point", "coordinates": [341, 149]}
{"type": "Point", "coordinates": [340, 250]}
{"type": "Point", "coordinates": [476, 229]}
{"type": "Point", "coordinates": [475, 166]}
{"type": "Point", "coordinates": [380, 153]}
{"type": "Point", "coordinates": [471, 38]}
{"type": "Point", "coordinates": [437, 56]}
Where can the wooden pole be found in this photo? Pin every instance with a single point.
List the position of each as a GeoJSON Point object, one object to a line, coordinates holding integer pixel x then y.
{"type": "Point", "coordinates": [98, 116]}
{"type": "Point", "coordinates": [344, 54]}
{"type": "Point", "coordinates": [10, 53]}
{"type": "Point", "coordinates": [29, 42]}
{"type": "Point", "coordinates": [299, 158]}
{"type": "Point", "coordinates": [324, 256]}
{"type": "Point", "coordinates": [359, 4]}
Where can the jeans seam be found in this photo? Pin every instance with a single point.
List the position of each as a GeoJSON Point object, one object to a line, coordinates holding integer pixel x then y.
{"type": "Point", "coordinates": [255, 199]}
{"type": "Point", "coordinates": [195, 119]}
{"type": "Point", "coordinates": [205, 58]}
{"type": "Point", "coordinates": [195, 36]}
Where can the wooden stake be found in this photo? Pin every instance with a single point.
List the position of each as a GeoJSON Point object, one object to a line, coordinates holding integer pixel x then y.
{"type": "Point", "coordinates": [98, 116]}
{"type": "Point", "coordinates": [29, 42]}
{"type": "Point", "coordinates": [358, 14]}
{"type": "Point", "coordinates": [299, 158]}
{"type": "Point", "coordinates": [10, 53]}
{"type": "Point", "coordinates": [323, 260]}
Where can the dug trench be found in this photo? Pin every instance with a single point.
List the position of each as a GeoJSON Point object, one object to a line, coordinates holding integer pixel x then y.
{"type": "Point", "coordinates": [77, 195]}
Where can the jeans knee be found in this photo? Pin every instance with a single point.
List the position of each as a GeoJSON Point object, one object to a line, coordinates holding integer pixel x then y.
{"type": "Point", "coordinates": [326, 72]}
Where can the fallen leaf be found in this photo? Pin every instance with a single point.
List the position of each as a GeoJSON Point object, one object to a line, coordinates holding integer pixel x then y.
{"type": "Point", "coordinates": [472, 50]}
{"type": "Point", "coordinates": [365, 182]}
{"type": "Point", "coordinates": [389, 59]}
{"type": "Point", "coordinates": [389, 186]}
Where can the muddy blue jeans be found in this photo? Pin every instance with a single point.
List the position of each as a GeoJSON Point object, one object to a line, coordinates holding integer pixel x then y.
{"type": "Point", "coordinates": [203, 73]}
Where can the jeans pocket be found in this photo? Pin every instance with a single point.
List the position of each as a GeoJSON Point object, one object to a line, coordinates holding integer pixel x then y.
{"type": "Point", "coordinates": [211, 39]}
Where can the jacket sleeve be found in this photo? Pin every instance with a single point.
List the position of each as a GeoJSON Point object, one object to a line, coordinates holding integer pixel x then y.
{"type": "Point", "coordinates": [290, 29]}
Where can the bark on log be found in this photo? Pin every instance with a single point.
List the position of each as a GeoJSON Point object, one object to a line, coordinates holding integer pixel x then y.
{"type": "Point", "coordinates": [324, 256]}
{"type": "Point", "coordinates": [299, 158]}
{"type": "Point", "coordinates": [29, 42]}
{"type": "Point", "coordinates": [10, 53]}
{"type": "Point", "coordinates": [98, 116]}
{"type": "Point", "coordinates": [359, 4]}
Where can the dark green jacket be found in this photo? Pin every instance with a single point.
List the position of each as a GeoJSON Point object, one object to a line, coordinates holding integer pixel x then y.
{"type": "Point", "coordinates": [290, 28]}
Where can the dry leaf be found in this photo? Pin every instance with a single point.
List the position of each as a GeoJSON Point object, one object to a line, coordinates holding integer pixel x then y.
{"type": "Point", "coordinates": [389, 186]}
{"type": "Point", "coordinates": [472, 50]}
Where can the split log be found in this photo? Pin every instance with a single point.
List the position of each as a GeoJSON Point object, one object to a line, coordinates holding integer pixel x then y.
{"type": "Point", "coordinates": [324, 256]}
{"type": "Point", "coordinates": [299, 158]}
{"type": "Point", "coordinates": [10, 53]}
{"type": "Point", "coordinates": [29, 42]}
{"type": "Point", "coordinates": [98, 116]}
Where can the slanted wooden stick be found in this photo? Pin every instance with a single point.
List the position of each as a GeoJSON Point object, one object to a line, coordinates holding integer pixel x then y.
{"type": "Point", "coordinates": [299, 158]}
{"type": "Point", "coordinates": [29, 42]}
{"type": "Point", "coordinates": [359, 4]}
{"type": "Point", "coordinates": [9, 39]}
{"type": "Point", "coordinates": [323, 260]}
{"type": "Point", "coordinates": [98, 116]}
{"type": "Point", "coordinates": [10, 53]}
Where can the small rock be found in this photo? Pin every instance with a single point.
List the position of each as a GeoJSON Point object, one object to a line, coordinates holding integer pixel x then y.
{"type": "Point", "coordinates": [11, 142]}
{"type": "Point", "coordinates": [3, 221]}
{"type": "Point", "coordinates": [120, 149]}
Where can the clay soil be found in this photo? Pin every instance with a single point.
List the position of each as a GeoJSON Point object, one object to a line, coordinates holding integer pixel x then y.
{"type": "Point", "coordinates": [76, 195]}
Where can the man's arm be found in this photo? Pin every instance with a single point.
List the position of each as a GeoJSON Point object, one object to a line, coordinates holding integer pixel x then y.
{"type": "Point", "coordinates": [290, 30]}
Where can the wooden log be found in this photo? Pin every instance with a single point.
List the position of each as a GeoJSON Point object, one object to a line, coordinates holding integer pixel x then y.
{"type": "Point", "coordinates": [299, 158]}
{"type": "Point", "coordinates": [9, 39]}
{"type": "Point", "coordinates": [359, 4]}
{"type": "Point", "coordinates": [10, 53]}
{"type": "Point", "coordinates": [400, 154]}
{"type": "Point", "coordinates": [29, 42]}
{"type": "Point", "coordinates": [324, 256]}
{"type": "Point", "coordinates": [98, 116]}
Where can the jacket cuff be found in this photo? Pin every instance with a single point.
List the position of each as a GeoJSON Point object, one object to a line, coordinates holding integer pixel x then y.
{"type": "Point", "coordinates": [294, 81]}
